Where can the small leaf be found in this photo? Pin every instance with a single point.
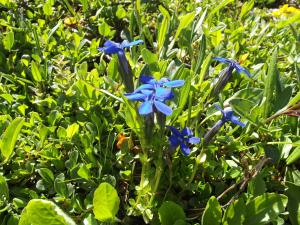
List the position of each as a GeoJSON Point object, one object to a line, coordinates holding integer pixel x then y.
{"type": "Point", "coordinates": [106, 202]}
{"type": "Point", "coordinates": [235, 213]}
{"type": "Point", "coordinates": [8, 40]}
{"type": "Point", "coordinates": [10, 136]}
{"type": "Point", "coordinates": [265, 208]}
{"type": "Point", "coordinates": [184, 22]}
{"type": "Point", "coordinates": [72, 130]}
{"type": "Point", "coordinates": [4, 192]}
{"type": "Point", "coordinates": [212, 214]}
{"type": "Point", "coordinates": [293, 206]}
{"type": "Point", "coordinates": [246, 8]}
{"type": "Point", "coordinates": [35, 72]}
{"type": "Point", "coordinates": [41, 212]}
{"type": "Point", "coordinates": [170, 212]}
{"type": "Point", "coordinates": [294, 156]}
{"type": "Point", "coordinates": [163, 28]}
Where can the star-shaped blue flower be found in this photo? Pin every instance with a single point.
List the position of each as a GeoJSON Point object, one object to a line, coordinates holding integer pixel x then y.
{"type": "Point", "coordinates": [111, 47]}
{"type": "Point", "coordinates": [233, 64]}
{"type": "Point", "coordinates": [153, 94]}
{"type": "Point", "coordinates": [228, 115]}
{"type": "Point", "coordinates": [152, 100]}
{"type": "Point", "coordinates": [182, 139]}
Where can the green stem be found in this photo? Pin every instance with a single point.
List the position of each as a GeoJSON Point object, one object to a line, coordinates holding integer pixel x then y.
{"type": "Point", "coordinates": [144, 161]}
{"type": "Point", "coordinates": [157, 177]}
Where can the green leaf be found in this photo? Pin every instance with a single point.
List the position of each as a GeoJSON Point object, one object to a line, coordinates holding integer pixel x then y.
{"type": "Point", "coordinates": [35, 72]}
{"type": "Point", "coordinates": [72, 130]}
{"type": "Point", "coordinates": [47, 8]}
{"type": "Point", "coordinates": [148, 56]}
{"type": "Point", "coordinates": [41, 212]}
{"type": "Point", "coordinates": [257, 186]}
{"type": "Point", "coordinates": [170, 212]}
{"type": "Point", "coordinates": [243, 107]}
{"type": "Point", "coordinates": [104, 29]}
{"type": "Point", "coordinates": [247, 6]}
{"type": "Point", "coordinates": [8, 40]}
{"type": "Point", "coordinates": [265, 208]}
{"type": "Point", "coordinates": [84, 172]}
{"type": "Point", "coordinates": [235, 213]}
{"type": "Point", "coordinates": [106, 202]}
{"type": "Point", "coordinates": [294, 156]}
{"type": "Point", "coordinates": [212, 214]}
{"type": "Point", "coordinates": [293, 206]}
{"type": "Point", "coordinates": [184, 22]}
{"type": "Point", "coordinates": [217, 8]}
{"type": "Point", "coordinates": [47, 175]}
{"type": "Point", "coordinates": [10, 136]}
{"type": "Point", "coordinates": [163, 28]}
{"type": "Point", "coordinates": [4, 192]}
{"type": "Point", "coordinates": [270, 84]}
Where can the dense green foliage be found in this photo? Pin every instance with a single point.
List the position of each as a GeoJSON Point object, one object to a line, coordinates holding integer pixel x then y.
{"type": "Point", "coordinates": [74, 150]}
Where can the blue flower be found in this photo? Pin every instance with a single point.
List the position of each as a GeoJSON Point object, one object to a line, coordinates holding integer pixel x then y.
{"type": "Point", "coordinates": [182, 139]}
{"type": "Point", "coordinates": [153, 99]}
{"type": "Point", "coordinates": [153, 94]}
{"type": "Point", "coordinates": [111, 47]}
{"type": "Point", "coordinates": [233, 64]}
{"type": "Point", "coordinates": [227, 115]}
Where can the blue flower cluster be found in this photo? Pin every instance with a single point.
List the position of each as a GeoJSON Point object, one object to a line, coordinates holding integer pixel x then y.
{"type": "Point", "coordinates": [154, 93]}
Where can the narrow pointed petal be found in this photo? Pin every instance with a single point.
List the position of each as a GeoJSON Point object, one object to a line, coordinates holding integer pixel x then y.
{"type": "Point", "coordinates": [235, 120]}
{"type": "Point", "coordinates": [223, 60]}
{"type": "Point", "coordinates": [147, 92]}
{"type": "Point", "coordinates": [109, 43]}
{"type": "Point", "coordinates": [218, 107]}
{"type": "Point", "coordinates": [193, 140]}
{"type": "Point", "coordinates": [241, 69]}
{"type": "Point", "coordinates": [146, 79]}
{"type": "Point", "coordinates": [163, 108]}
{"type": "Point", "coordinates": [187, 132]}
{"type": "Point", "coordinates": [146, 108]}
{"type": "Point", "coordinates": [185, 149]}
{"type": "Point", "coordinates": [162, 93]}
{"type": "Point", "coordinates": [174, 83]}
{"type": "Point", "coordinates": [174, 131]}
{"type": "Point", "coordinates": [136, 97]}
{"type": "Point", "coordinates": [174, 141]}
{"type": "Point", "coordinates": [126, 44]}
{"type": "Point", "coordinates": [144, 87]}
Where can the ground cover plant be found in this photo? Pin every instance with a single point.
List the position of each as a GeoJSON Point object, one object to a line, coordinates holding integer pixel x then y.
{"type": "Point", "coordinates": [149, 112]}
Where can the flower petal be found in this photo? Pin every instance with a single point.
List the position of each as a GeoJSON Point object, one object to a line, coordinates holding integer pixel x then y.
{"type": "Point", "coordinates": [193, 140]}
{"type": "Point", "coordinates": [235, 120]}
{"type": "Point", "coordinates": [241, 69]}
{"type": "Point", "coordinates": [126, 44]}
{"type": "Point", "coordinates": [135, 97]}
{"type": "Point", "coordinates": [223, 60]}
{"type": "Point", "coordinates": [185, 149]}
{"type": "Point", "coordinates": [111, 47]}
{"type": "Point", "coordinates": [163, 108]}
{"type": "Point", "coordinates": [174, 142]}
{"type": "Point", "coordinates": [187, 132]}
{"type": "Point", "coordinates": [174, 83]}
{"type": "Point", "coordinates": [146, 79]}
{"type": "Point", "coordinates": [174, 131]}
{"type": "Point", "coordinates": [146, 108]}
{"type": "Point", "coordinates": [144, 87]}
{"type": "Point", "coordinates": [163, 94]}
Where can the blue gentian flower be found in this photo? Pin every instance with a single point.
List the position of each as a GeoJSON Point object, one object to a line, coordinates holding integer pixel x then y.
{"type": "Point", "coordinates": [234, 64]}
{"type": "Point", "coordinates": [227, 116]}
{"type": "Point", "coordinates": [153, 94]}
{"type": "Point", "coordinates": [111, 47]}
{"type": "Point", "coordinates": [182, 139]}
{"type": "Point", "coordinates": [226, 74]}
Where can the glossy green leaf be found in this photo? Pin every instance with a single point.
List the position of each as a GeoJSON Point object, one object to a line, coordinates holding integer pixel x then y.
{"type": "Point", "coordinates": [8, 40]}
{"type": "Point", "coordinates": [170, 212]}
{"type": "Point", "coordinates": [293, 206]}
{"type": "Point", "coordinates": [106, 203]}
{"type": "Point", "coordinates": [41, 212]}
{"type": "Point", "coordinates": [235, 213]}
{"type": "Point", "coordinates": [294, 156]}
{"type": "Point", "coordinates": [212, 214]}
{"type": "Point", "coordinates": [35, 72]}
{"type": "Point", "coordinates": [9, 137]}
{"type": "Point", "coordinates": [265, 208]}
